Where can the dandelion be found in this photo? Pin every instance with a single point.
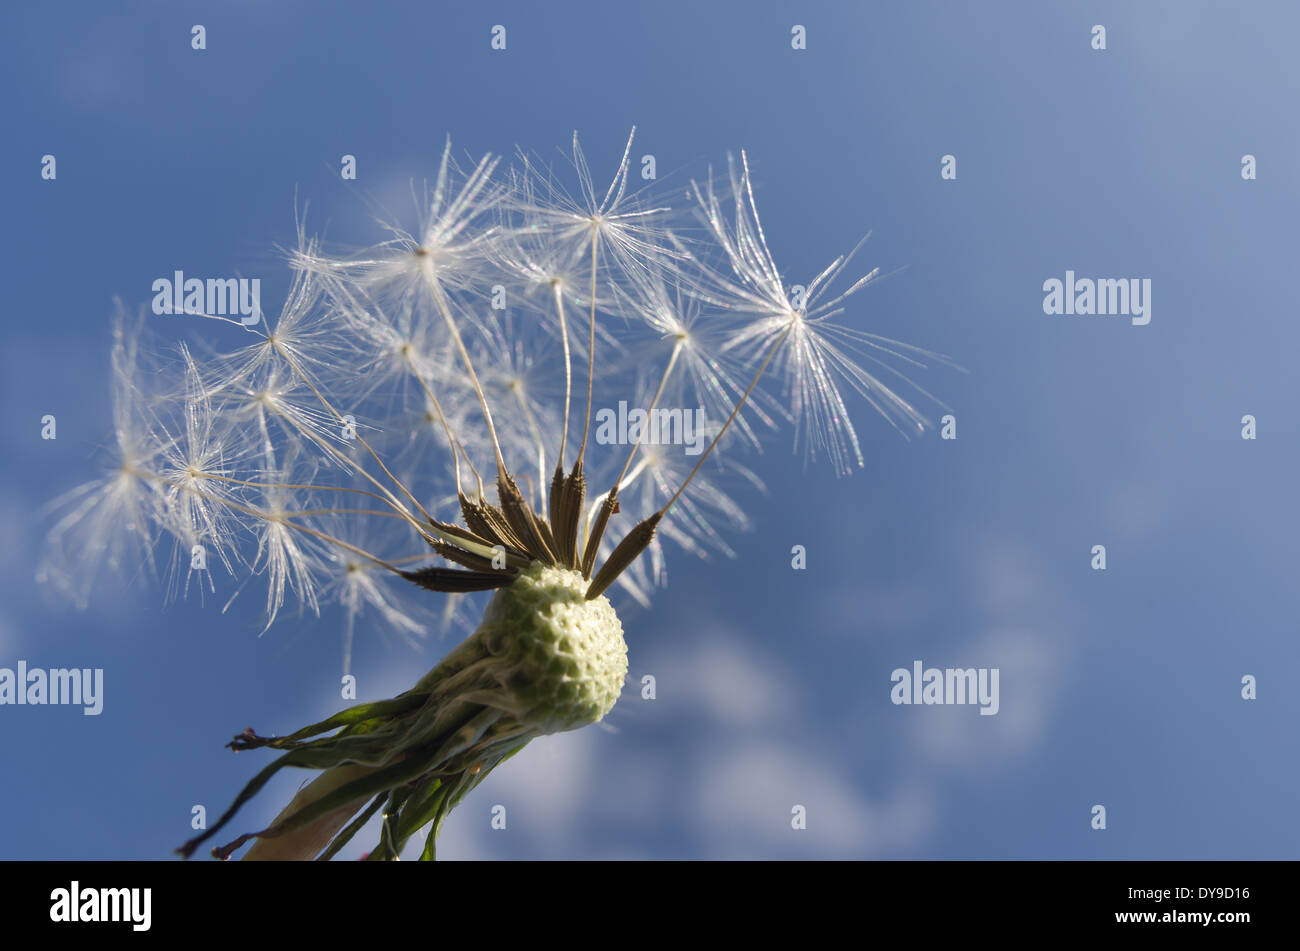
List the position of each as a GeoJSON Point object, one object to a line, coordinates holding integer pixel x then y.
{"type": "Point", "coordinates": [814, 354]}
{"type": "Point", "coordinates": [109, 523]}
{"type": "Point", "coordinates": [419, 419]}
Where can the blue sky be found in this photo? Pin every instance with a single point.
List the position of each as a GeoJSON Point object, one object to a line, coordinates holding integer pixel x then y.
{"type": "Point", "coordinates": [1119, 687]}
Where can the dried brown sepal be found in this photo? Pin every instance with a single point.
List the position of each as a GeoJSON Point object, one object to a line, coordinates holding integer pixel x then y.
{"type": "Point", "coordinates": [548, 537]}
{"type": "Point", "coordinates": [488, 521]}
{"type": "Point", "coordinates": [607, 508]}
{"type": "Point", "coordinates": [465, 559]}
{"type": "Point", "coordinates": [521, 519]}
{"type": "Point", "coordinates": [568, 495]}
{"type": "Point", "coordinates": [554, 503]}
{"type": "Point", "coordinates": [459, 580]}
{"type": "Point", "coordinates": [449, 528]}
{"type": "Point", "coordinates": [626, 552]}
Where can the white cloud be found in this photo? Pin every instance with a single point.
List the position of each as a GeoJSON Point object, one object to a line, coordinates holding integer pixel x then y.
{"type": "Point", "coordinates": [723, 678]}
{"type": "Point", "coordinates": [743, 809]}
{"type": "Point", "coordinates": [546, 790]}
{"type": "Point", "coordinates": [1025, 633]}
{"type": "Point", "coordinates": [1030, 668]}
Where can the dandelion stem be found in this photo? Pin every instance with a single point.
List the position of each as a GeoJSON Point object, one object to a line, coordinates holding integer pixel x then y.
{"type": "Point", "coordinates": [426, 529]}
{"type": "Point", "coordinates": [610, 498]}
{"type": "Point", "coordinates": [374, 455]}
{"type": "Point", "coordinates": [442, 417]}
{"type": "Point", "coordinates": [265, 516]}
{"type": "Point", "coordinates": [591, 344]}
{"type": "Point", "coordinates": [776, 345]}
{"type": "Point", "coordinates": [568, 369]}
{"type": "Point", "coordinates": [314, 513]}
{"type": "Point", "coordinates": [663, 381]}
{"type": "Point", "coordinates": [531, 418]}
{"type": "Point", "coordinates": [619, 486]}
{"type": "Point", "coordinates": [291, 485]}
{"type": "Point", "coordinates": [440, 299]}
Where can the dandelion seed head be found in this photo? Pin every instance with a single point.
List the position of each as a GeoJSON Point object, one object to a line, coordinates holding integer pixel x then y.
{"type": "Point", "coordinates": [419, 410]}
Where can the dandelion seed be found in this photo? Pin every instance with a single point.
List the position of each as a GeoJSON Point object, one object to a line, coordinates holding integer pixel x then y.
{"type": "Point", "coordinates": [443, 246]}
{"type": "Point", "coordinates": [283, 557]}
{"type": "Point", "coordinates": [700, 367]}
{"type": "Point", "coordinates": [616, 220]}
{"type": "Point", "coordinates": [108, 525]}
{"type": "Point", "coordinates": [813, 354]}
